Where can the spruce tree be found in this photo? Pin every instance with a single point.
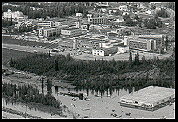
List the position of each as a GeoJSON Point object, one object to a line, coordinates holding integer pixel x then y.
{"type": "Point", "coordinates": [56, 65]}
{"type": "Point", "coordinates": [130, 57]}
{"type": "Point", "coordinates": [136, 62]}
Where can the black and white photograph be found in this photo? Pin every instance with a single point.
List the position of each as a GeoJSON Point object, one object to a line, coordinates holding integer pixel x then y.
{"type": "Point", "coordinates": [88, 60]}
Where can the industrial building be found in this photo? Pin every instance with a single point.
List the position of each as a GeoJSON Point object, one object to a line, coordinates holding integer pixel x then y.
{"type": "Point", "coordinates": [149, 98]}
{"type": "Point", "coordinates": [72, 32]}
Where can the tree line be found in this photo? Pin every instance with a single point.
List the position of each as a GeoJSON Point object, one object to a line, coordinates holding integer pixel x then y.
{"type": "Point", "coordinates": [101, 74]}
{"type": "Point", "coordinates": [54, 9]}
{"type": "Point", "coordinates": [27, 94]}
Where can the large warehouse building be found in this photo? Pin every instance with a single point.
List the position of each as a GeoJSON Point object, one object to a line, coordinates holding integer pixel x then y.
{"type": "Point", "coordinates": [148, 98]}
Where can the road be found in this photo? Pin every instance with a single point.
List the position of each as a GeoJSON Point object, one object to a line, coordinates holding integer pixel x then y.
{"type": "Point", "coordinates": [85, 56]}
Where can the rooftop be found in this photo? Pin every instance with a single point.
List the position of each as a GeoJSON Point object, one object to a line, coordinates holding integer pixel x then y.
{"type": "Point", "coordinates": [151, 36]}
{"type": "Point", "coordinates": [150, 94]}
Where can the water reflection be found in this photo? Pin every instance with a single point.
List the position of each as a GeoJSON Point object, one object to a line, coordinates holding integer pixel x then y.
{"type": "Point", "coordinates": [33, 109]}
{"type": "Point", "coordinates": [91, 92]}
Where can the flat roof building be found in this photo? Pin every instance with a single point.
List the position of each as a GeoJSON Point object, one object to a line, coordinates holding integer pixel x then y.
{"type": "Point", "coordinates": [72, 32]}
{"type": "Point", "coordinates": [148, 97]}
{"type": "Point", "coordinates": [47, 24]}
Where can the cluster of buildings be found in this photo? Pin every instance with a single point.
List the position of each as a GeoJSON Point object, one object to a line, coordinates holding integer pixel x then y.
{"type": "Point", "coordinates": [15, 16]}
{"type": "Point", "coordinates": [102, 38]}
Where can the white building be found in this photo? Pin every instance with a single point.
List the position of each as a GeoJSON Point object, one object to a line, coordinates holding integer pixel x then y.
{"type": "Point", "coordinates": [14, 15]}
{"type": "Point", "coordinates": [46, 32]}
{"type": "Point", "coordinates": [123, 49]}
{"type": "Point", "coordinates": [148, 97]}
{"type": "Point", "coordinates": [72, 31]}
{"type": "Point", "coordinates": [104, 51]}
{"type": "Point", "coordinates": [45, 24]}
{"type": "Point", "coordinates": [78, 14]}
{"type": "Point", "coordinates": [123, 8]}
{"type": "Point", "coordinates": [98, 52]}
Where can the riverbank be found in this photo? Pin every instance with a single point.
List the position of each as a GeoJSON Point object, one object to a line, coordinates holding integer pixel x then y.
{"type": "Point", "coordinates": [107, 106]}
{"type": "Point", "coordinates": [23, 114]}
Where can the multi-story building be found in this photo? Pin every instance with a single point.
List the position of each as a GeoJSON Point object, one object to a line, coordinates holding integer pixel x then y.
{"type": "Point", "coordinates": [146, 42]}
{"type": "Point", "coordinates": [98, 20]}
{"type": "Point", "coordinates": [45, 24]}
{"type": "Point", "coordinates": [46, 32]}
{"type": "Point", "coordinates": [142, 44]}
{"type": "Point", "coordinates": [159, 40]}
{"type": "Point", "coordinates": [72, 31]}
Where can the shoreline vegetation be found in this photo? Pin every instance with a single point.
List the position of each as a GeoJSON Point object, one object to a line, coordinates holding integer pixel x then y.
{"type": "Point", "coordinates": [23, 114]}
{"type": "Point", "coordinates": [100, 75]}
{"type": "Point", "coordinates": [27, 94]}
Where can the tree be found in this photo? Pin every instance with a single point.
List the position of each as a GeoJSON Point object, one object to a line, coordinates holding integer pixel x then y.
{"type": "Point", "coordinates": [150, 23]}
{"type": "Point", "coordinates": [42, 84]}
{"type": "Point", "coordinates": [68, 57]}
{"type": "Point", "coordinates": [130, 57]}
{"type": "Point", "coordinates": [136, 61]}
{"type": "Point", "coordinates": [11, 63]}
{"type": "Point", "coordinates": [162, 13]}
{"type": "Point", "coordinates": [56, 64]}
{"type": "Point", "coordinates": [49, 53]}
{"type": "Point", "coordinates": [143, 59]}
{"type": "Point", "coordinates": [49, 85]}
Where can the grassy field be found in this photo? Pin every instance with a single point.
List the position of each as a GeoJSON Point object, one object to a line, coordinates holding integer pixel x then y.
{"type": "Point", "coordinates": [9, 40]}
{"type": "Point", "coordinates": [8, 53]}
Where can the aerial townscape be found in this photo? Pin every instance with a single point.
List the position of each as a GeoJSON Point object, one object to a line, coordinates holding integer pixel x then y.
{"type": "Point", "coordinates": [82, 60]}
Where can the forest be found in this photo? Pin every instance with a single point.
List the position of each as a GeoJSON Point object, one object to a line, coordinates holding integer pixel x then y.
{"type": "Point", "coordinates": [27, 93]}
{"type": "Point", "coordinates": [101, 74]}
{"type": "Point", "coordinates": [55, 9]}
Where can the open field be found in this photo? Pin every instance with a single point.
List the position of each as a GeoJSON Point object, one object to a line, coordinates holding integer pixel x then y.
{"type": "Point", "coordinates": [8, 53]}
{"type": "Point", "coordinates": [10, 40]}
